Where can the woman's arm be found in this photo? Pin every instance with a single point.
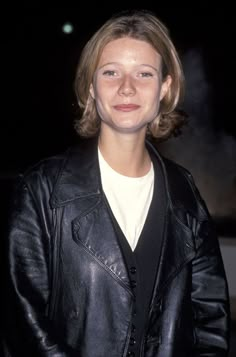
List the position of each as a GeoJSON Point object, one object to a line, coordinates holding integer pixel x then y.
{"type": "Point", "coordinates": [210, 298]}
{"type": "Point", "coordinates": [27, 330]}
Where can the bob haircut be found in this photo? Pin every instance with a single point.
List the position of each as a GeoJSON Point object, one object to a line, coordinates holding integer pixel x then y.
{"type": "Point", "coordinates": [141, 25]}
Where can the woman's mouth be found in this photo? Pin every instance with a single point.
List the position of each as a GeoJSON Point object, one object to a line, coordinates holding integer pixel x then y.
{"type": "Point", "coordinates": [126, 107]}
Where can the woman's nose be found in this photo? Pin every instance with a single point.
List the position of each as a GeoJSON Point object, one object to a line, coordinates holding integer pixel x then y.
{"type": "Point", "coordinates": [127, 87]}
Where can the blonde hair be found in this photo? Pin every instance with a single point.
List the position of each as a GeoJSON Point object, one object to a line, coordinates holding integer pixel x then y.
{"type": "Point", "coordinates": [142, 25]}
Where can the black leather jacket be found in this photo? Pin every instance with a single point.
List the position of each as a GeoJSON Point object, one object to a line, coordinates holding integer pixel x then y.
{"type": "Point", "coordinates": [69, 293]}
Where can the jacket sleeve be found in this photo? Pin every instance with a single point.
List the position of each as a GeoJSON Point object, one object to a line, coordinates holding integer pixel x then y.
{"type": "Point", "coordinates": [210, 298]}
{"type": "Point", "coordinates": [27, 329]}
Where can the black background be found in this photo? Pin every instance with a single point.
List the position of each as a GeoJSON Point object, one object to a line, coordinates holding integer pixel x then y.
{"type": "Point", "coordinates": [40, 61]}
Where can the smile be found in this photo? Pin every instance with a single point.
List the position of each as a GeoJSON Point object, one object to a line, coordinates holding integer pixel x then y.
{"type": "Point", "coordinates": [126, 107]}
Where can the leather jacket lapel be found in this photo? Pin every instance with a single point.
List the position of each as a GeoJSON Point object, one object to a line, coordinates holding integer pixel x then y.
{"type": "Point", "coordinates": [94, 230]}
{"type": "Point", "coordinates": [177, 250]}
{"type": "Point", "coordinates": [79, 182]}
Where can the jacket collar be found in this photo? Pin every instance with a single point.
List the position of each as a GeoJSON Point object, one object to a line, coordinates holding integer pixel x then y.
{"type": "Point", "coordinates": [79, 177]}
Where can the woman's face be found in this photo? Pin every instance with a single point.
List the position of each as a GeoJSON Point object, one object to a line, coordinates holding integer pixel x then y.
{"type": "Point", "coordinates": [127, 86]}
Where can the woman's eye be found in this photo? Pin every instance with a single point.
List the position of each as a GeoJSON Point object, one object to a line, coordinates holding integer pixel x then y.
{"type": "Point", "coordinates": [109, 73]}
{"type": "Point", "coordinates": [146, 74]}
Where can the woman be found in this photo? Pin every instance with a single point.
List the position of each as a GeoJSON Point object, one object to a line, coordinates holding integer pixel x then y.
{"type": "Point", "coordinates": [112, 251]}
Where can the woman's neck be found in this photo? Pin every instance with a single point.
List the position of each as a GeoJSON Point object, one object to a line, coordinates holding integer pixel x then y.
{"type": "Point", "coordinates": [125, 153]}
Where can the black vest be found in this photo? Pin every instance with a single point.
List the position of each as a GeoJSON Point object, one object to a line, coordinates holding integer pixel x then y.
{"type": "Point", "coordinates": [142, 263]}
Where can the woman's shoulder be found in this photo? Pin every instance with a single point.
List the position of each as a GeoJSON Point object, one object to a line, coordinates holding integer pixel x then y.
{"type": "Point", "coordinates": [42, 174]}
{"type": "Point", "coordinates": [45, 167]}
{"type": "Point", "coordinates": [183, 189]}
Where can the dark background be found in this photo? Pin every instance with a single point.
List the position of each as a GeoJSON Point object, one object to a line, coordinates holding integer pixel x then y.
{"type": "Point", "coordinates": [40, 106]}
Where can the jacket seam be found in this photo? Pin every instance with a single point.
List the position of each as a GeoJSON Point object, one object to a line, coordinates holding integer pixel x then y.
{"type": "Point", "coordinates": [114, 276]}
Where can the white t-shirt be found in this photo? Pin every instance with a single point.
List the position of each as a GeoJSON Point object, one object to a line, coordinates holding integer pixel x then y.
{"type": "Point", "coordinates": [129, 199]}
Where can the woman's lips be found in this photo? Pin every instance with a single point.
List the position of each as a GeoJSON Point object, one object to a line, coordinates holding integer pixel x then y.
{"type": "Point", "coordinates": [126, 107]}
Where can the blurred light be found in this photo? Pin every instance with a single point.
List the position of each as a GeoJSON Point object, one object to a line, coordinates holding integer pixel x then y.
{"type": "Point", "coordinates": [67, 28]}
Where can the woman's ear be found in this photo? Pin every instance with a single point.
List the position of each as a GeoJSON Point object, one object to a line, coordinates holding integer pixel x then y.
{"type": "Point", "coordinates": [91, 91]}
{"type": "Point", "coordinates": [165, 86]}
